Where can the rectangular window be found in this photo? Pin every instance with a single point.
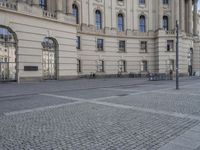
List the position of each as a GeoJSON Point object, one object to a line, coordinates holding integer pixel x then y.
{"type": "Point", "coordinates": [122, 46]}
{"type": "Point", "coordinates": [144, 67]}
{"type": "Point", "coordinates": [43, 4]}
{"type": "Point", "coordinates": [78, 42]}
{"type": "Point", "coordinates": [170, 45]}
{"type": "Point", "coordinates": [143, 46]}
{"type": "Point", "coordinates": [78, 65]}
{"type": "Point", "coordinates": [165, 2]}
{"type": "Point", "coordinates": [171, 64]}
{"type": "Point", "coordinates": [100, 44]}
{"type": "Point", "coordinates": [122, 66]}
{"type": "Point", "coordinates": [142, 2]}
{"type": "Point", "coordinates": [100, 66]}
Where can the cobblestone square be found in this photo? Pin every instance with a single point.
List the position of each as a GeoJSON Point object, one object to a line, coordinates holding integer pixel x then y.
{"type": "Point", "coordinates": [104, 114]}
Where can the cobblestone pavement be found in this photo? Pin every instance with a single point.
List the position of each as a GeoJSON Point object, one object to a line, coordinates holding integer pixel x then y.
{"type": "Point", "coordinates": [105, 114]}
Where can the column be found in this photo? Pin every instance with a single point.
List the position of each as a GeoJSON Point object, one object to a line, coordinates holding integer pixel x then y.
{"type": "Point", "coordinates": [190, 16]}
{"type": "Point", "coordinates": [176, 7]}
{"type": "Point", "coordinates": [59, 5]}
{"type": "Point", "coordinates": [195, 17]}
{"type": "Point", "coordinates": [160, 14]}
{"type": "Point", "coordinates": [35, 2]}
{"type": "Point", "coordinates": [69, 6]}
{"type": "Point", "coordinates": [182, 22]}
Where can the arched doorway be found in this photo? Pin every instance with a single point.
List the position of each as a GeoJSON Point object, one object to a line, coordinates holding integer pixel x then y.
{"type": "Point", "coordinates": [49, 58]}
{"type": "Point", "coordinates": [8, 46]}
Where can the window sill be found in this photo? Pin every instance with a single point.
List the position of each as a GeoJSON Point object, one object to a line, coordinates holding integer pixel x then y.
{"type": "Point", "coordinates": [165, 6]}
{"type": "Point", "coordinates": [99, 72]}
{"type": "Point", "coordinates": [143, 51]}
{"type": "Point", "coordinates": [99, 51]}
{"type": "Point", "coordinates": [170, 51]}
{"type": "Point", "coordinates": [121, 51]}
{"type": "Point", "coordinates": [142, 5]}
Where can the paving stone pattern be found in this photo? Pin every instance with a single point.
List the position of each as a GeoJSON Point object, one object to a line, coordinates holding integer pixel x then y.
{"type": "Point", "coordinates": [83, 115]}
{"type": "Point", "coordinates": [90, 126]}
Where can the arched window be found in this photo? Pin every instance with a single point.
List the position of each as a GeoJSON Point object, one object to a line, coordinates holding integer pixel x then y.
{"type": "Point", "coordinates": [75, 12]}
{"type": "Point", "coordinates": [165, 23]}
{"type": "Point", "coordinates": [98, 19]}
{"type": "Point", "coordinates": [43, 4]}
{"type": "Point", "coordinates": [142, 24]}
{"type": "Point", "coordinates": [7, 55]}
{"type": "Point", "coordinates": [120, 22]}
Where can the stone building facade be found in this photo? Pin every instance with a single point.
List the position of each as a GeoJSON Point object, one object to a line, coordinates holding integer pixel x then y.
{"type": "Point", "coordinates": [62, 39]}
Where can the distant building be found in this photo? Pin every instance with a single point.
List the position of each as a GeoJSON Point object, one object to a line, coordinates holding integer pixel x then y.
{"type": "Point", "coordinates": [63, 39]}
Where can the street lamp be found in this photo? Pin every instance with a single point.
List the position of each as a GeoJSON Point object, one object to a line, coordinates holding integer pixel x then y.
{"type": "Point", "coordinates": [177, 55]}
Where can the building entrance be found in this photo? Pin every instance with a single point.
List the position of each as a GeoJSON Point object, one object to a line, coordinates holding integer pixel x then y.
{"type": "Point", "coordinates": [48, 59]}
{"type": "Point", "coordinates": [7, 55]}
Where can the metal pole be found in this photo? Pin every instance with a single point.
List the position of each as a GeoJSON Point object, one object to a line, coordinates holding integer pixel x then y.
{"type": "Point", "coordinates": [177, 55]}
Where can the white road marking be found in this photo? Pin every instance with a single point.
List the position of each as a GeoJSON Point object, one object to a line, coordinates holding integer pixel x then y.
{"type": "Point", "coordinates": [174, 114]}
{"type": "Point", "coordinates": [62, 97]}
{"type": "Point", "coordinates": [104, 98]}
{"type": "Point", "coordinates": [93, 101]}
{"type": "Point", "coordinates": [40, 108]}
{"type": "Point", "coordinates": [123, 90]}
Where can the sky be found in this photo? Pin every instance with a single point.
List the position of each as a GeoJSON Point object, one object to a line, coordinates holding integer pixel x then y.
{"type": "Point", "coordinates": [199, 5]}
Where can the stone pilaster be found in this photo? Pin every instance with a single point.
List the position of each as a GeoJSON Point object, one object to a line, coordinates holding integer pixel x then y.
{"type": "Point", "coordinates": [160, 14]}
{"type": "Point", "coordinates": [59, 6]}
{"type": "Point", "coordinates": [190, 20]}
{"type": "Point", "coordinates": [176, 7]}
{"type": "Point", "coordinates": [35, 3]}
{"type": "Point", "coordinates": [195, 18]}
{"type": "Point", "coordinates": [182, 22]}
{"type": "Point", "coordinates": [69, 6]}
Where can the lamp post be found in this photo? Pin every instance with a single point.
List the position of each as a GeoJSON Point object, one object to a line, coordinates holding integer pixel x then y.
{"type": "Point", "coordinates": [177, 55]}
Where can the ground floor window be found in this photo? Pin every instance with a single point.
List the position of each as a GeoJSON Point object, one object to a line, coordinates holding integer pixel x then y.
{"type": "Point", "coordinates": [7, 55]}
{"type": "Point", "coordinates": [144, 66]}
{"type": "Point", "coordinates": [78, 65]}
{"type": "Point", "coordinates": [170, 65]}
{"type": "Point", "coordinates": [100, 66]}
{"type": "Point", "coordinates": [122, 66]}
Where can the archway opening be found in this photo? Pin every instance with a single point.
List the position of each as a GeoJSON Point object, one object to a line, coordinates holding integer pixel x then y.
{"type": "Point", "coordinates": [7, 55]}
{"type": "Point", "coordinates": [49, 66]}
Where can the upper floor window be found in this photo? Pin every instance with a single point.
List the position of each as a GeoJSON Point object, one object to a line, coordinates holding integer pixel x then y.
{"type": "Point", "coordinates": [142, 24]}
{"type": "Point", "coordinates": [43, 4]}
{"type": "Point", "coordinates": [120, 22]}
{"type": "Point", "coordinates": [100, 44]}
{"type": "Point", "coordinates": [142, 2]}
{"type": "Point", "coordinates": [165, 23]}
{"type": "Point", "coordinates": [75, 12]}
{"type": "Point", "coordinates": [98, 19]}
{"type": "Point", "coordinates": [165, 2]}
